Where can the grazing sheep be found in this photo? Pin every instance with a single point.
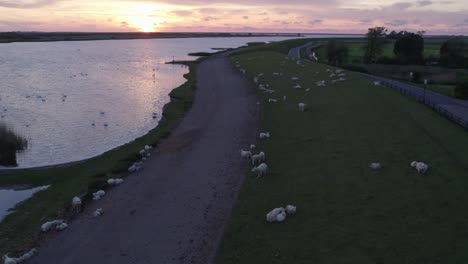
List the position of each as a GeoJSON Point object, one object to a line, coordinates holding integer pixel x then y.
{"type": "Point", "coordinates": [51, 224]}
{"type": "Point", "coordinates": [375, 166]}
{"type": "Point", "coordinates": [114, 181]}
{"type": "Point", "coordinates": [255, 80]}
{"type": "Point", "coordinates": [281, 216]}
{"type": "Point", "coordinates": [260, 157]}
{"type": "Point", "coordinates": [271, 100]}
{"type": "Point", "coordinates": [421, 167]}
{"type": "Point", "coordinates": [413, 164]}
{"type": "Point", "coordinates": [321, 83]}
{"type": "Point", "coordinates": [252, 147]}
{"type": "Point", "coordinates": [24, 257]}
{"type": "Point", "coordinates": [245, 154]}
{"type": "Point", "coordinates": [284, 98]}
{"type": "Point", "coordinates": [265, 135]}
{"type": "Point", "coordinates": [332, 75]}
{"type": "Point", "coordinates": [307, 90]}
{"type": "Point", "coordinates": [302, 107]}
{"type": "Point", "coordinates": [291, 209]}
{"type": "Point", "coordinates": [62, 226]}
{"type": "Point", "coordinates": [377, 83]}
{"type": "Point", "coordinates": [297, 86]}
{"type": "Point", "coordinates": [261, 169]}
{"type": "Point", "coordinates": [272, 215]}
{"type": "Point", "coordinates": [76, 201]}
{"type": "Point", "coordinates": [294, 78]}
{"type": "Point", "coordinates": [98, 212]}
{"type": "Point", "coordinates": [142, 152]}
{"type": "Point", "coordinates": [98, 195]}
{"type": "Point", "coordinates": [147, 147]}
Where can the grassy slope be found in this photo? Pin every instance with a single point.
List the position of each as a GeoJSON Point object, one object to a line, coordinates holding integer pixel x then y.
{"type": "Point", "coordinates": [20, 229]}
{"type": "Point", "coordinates": [319, 161]}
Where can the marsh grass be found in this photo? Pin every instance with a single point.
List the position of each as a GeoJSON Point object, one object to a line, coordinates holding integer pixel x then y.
{"type": "Point", "coordinates": [10, 143]}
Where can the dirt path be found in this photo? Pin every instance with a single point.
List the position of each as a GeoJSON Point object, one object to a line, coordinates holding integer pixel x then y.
{"type": "Point", "coordinates": [175, 209]}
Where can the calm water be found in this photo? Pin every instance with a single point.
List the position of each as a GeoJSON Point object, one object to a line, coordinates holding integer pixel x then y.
{"type": "Point", "coordinates": [52, 93]}
{"type": "Point", "coordinates": [10, 197]}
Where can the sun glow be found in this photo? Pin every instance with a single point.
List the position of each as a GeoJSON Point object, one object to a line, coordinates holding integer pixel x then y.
{"type": "Point", "coordinates": [142, 17]}
{"type": "Point", "coordinates": [144, 24]}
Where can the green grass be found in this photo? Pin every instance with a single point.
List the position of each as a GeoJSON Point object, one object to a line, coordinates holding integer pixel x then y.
{"type": "Point", "coordinates": [318, 160]}
{"type": "Point", "coordinates": [19, 230]}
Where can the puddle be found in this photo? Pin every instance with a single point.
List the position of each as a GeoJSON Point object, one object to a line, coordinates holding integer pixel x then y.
{"type": "Point", "coordinates": [11, 197]}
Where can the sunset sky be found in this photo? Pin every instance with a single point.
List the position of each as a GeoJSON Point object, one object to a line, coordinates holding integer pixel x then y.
{"type": "Point", "coordinates": [331, 16]}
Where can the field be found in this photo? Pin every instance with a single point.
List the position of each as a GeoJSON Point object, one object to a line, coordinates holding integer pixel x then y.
{"type": "Point", "coordinates": [20, 230]}
{"type": "Point", "coordinates": [319, 161]}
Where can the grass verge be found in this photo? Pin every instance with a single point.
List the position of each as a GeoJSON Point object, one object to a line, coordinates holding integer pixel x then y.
{"type": "Point", "coordinates": [319, 160]}
{"type": "Point", "coordinates": [20, 230]}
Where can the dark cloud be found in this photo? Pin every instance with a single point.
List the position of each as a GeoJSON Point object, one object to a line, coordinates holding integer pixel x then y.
{"type": "Point", "coordinates": [425, 3]}
{"type": "Point", "coordinates": [396, 22]}
{"type": "Point", "coordinates": [315, 22]}
{"type": "Point", "coordinates": [401, 5]}
{"type": "Point", "coordinates": [210, 18]}
{"type": "Point", "coordinates": [26, 3]}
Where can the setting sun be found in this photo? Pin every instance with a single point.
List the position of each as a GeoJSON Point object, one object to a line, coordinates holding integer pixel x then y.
{"type": "Point", "coordinates": [144, 24]}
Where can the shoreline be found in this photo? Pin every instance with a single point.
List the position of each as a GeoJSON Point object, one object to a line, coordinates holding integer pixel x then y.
{"type": "Point", "coordinates": [5, 170]}
{"type": "Point", "coordinates": [15, 37]}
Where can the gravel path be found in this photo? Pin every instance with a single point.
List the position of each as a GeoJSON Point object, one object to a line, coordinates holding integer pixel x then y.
{"type": "Point", "coordinates": [174, 210]}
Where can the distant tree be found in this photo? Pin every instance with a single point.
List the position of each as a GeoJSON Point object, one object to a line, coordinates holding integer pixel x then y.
{"type": "Point", "coordinates": [375, 43]}
{"type": "Point", "coordinates": [10, 143]}
{"type": "Point", "coordinates": [337, 52]}
{"type": "Point", "coordinates": [409, 48]}
{"type": "Point", "coordinates": [452, 52]}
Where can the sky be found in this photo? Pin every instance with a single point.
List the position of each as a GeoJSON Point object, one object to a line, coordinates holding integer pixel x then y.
{"type": "Point", "coordinates": [288, 16]}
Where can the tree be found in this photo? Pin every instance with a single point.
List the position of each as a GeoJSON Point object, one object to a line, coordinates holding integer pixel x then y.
{"type": "Point", "coordinates": [409, 48]}
{"type": "Point", "coordinates": [337, 52]}
{"type": "Point", "coordinates": [375, 43]}
{"type": "Point", "coordinates": [452, 52]}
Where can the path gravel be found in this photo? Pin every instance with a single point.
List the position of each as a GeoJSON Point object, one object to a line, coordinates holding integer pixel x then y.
{"type": "Point", "coordinates": [175, 209]}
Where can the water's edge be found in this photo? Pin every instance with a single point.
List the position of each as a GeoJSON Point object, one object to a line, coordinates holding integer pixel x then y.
{"type": "Point", "coordinates": [68, 164]}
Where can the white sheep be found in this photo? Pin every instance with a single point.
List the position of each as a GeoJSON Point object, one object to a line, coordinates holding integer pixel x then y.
{"type": "Point", "coordinates": [284, 98]}
{"type": "Point", "coordinates": [98, 195]}
{"type": "Point", "coordinates": [245, 154]}
{"type": "Point", "coordinates": [321, 83]}
{"type": "Point", "coordinates": [281, 217]}
{"type": "Point", "coordinates": [147, 147]}
{"type": "Point", "coordinates": [265, 135]}
{"type": "Point", "coordinates": [255, 80]}
{"type": "Point", "coordinates": [142, 152]}
{"type": "Point", "coordinates": [51, 224]}
{"type": "Point", "coordinates": [421, 167]}
{"type": "Point", "coordinates": [301, 106]}
{"type": "Point", "coordinates": [76, 201]}
{"type": "Point", "coordinates": [272, 100]}
{"type": "Point", "coordinates": [307, 90]}
{"type": "Point", "coordinates": [297, 86]}
{"type": "Point", "coordinates": [114, 181]}
{"type": "Point", "coordinates": [252, 147]}
{"type": "Point", "coordinates": [261, 169]}
{"type": "Point", "coordinates": [62, 226]}
{"type": "Point", "coordinates": [24, 257]}
{"type": "Point", "coordinates": [375, 166]}
{"type": "Point", "coordinates": [377, 83]}
{"type": "Point", "coordinates": [413, 164]}
{"type": "Point", "coordinates": [260, 157]}
{"type": "Point", "coordinates": [98, 212]}
{"type": "Point", "coordinates": [272, 215]}
{"type": "Point", "coordinates": [294, 78]}
{"type": "Point", "coordinates": [291, 209]}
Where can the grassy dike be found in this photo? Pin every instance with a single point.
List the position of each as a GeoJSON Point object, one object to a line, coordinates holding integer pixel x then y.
{"type": "Point", "coordinates": [20, 230]}
{"type": "Point", "coordinates": [319, 160]}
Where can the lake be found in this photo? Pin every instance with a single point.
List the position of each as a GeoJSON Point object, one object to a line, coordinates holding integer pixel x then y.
{"type": "Point", "coordinates": [77, 99]}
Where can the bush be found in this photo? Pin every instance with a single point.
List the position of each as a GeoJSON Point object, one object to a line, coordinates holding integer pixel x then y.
{"type": "Point", "coordinates": [409, 48]}
{"type": "Point", "coordinates": [388, 60]}
{"type": "Point", "coordinates": [337, 52]}
{"type": "Point", "coordinates": [452, 53]}
{"type": "Point", "coordinates": [461, 89]}
{"type": "Point", "coordinates": [10, 143]}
